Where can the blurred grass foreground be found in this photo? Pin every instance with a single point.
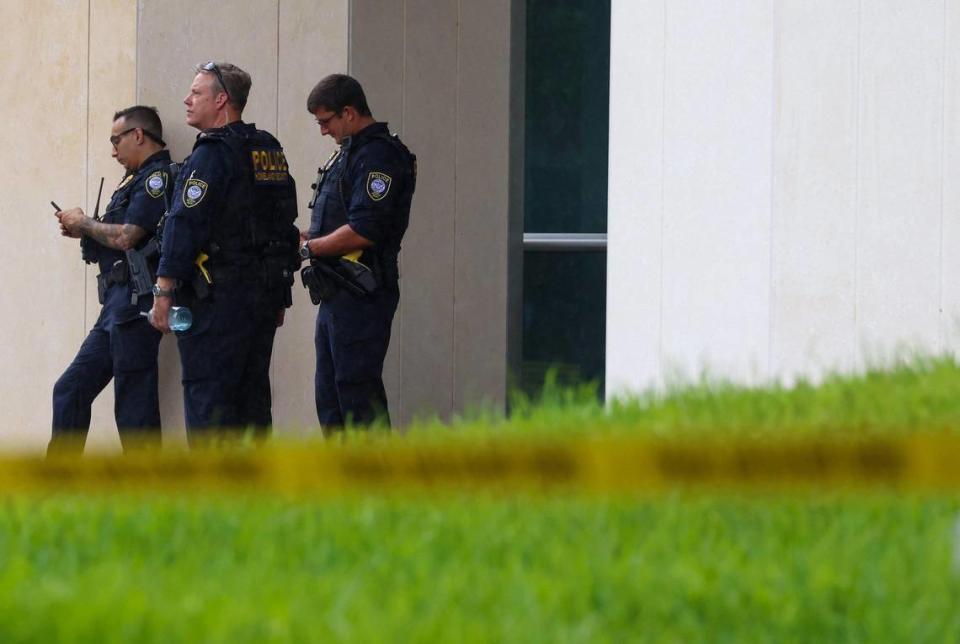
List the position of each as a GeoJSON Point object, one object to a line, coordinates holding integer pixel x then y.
{"type": "Point", "coordinates": [810, 565]}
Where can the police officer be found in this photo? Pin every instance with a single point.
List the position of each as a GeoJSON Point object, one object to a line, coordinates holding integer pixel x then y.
{"type": "Point", "coordinates": [122, 345]}
{"type": "Point", "coordinates": [360, 211]}
{"type": "Point", "coordinates": [229, 251]}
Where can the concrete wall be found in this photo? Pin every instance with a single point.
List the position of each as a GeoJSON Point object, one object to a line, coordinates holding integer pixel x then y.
{"type": "Point", "coordinates": [286, 46]}
{"type": "Point", "coordinates": [439, 72]}
{"type": "Point", "coordinates": [779, 193]}
{"type": "Point", "coordinates": [66, 68]}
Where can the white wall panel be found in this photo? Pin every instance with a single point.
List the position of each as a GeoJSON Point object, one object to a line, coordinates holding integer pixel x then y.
{"type": "Point", "coordinates": [950, 242]}
{"type": "Point", "coordinates": [635, 195]}
{"type": "Point", "coordinates": [899, 185]}
{"type": "Point", "coordinates": [717, 187]}
{"type": "Point", "coordinates": [813, 305]}
{"type": "Point", "coordinates": [807, 206]}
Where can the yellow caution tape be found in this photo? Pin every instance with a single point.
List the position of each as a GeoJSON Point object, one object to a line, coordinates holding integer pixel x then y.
{"type": "Point", "coordinates": [930, 462]}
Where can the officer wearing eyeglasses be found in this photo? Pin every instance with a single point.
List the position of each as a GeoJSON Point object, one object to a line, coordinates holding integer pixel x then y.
{"type": "Point", "coordinates": [360, 211]}
{"type": "Point", "coordinates": [122, 345]}
{"type": "Point", "coordinates": [229, 251]}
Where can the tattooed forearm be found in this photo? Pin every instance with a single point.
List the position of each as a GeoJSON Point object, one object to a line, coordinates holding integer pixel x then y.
{"type": "Point", "coordinates": [119, 236]}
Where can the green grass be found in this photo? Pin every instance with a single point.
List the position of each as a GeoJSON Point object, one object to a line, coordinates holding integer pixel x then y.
{"type": "Point", "coordinates": [912, 393]}
{"type": "Point", "coordinates": [676, 568]}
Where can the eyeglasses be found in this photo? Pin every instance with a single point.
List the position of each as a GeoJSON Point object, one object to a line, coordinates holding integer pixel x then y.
{"type": "Point", "coordinates": [212, 67]}
{"type": "Point", "coordinates": [325, 122]}
{"type": "Point", "coordinates": [115, 139]}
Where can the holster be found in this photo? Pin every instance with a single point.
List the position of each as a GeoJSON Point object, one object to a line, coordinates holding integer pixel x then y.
{"type": "Point", "coordinates": [142, 269]}
{"type": "Point", "coordinates": [359, 275]}
{"type": "Point", "coordinates": [200, 287]}
{"type": "Point", "coordinates": [320, 285]}
{"type": "Point", "coordinates": [101, 288]}
{"type": "Point", "coordinates": [116, 275]}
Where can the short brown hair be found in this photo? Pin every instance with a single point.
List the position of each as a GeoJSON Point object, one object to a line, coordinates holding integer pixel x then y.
{"type": "Point", "coordinates": [236, 82]}
{"type": "Point", "coordinates": [144, 117]}
{"type": "Point", "coordinates": [337, 91]}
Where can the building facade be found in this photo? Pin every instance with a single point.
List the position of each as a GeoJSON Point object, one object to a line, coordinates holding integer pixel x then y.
{"type": "Point", "coordinates": [626, 191]}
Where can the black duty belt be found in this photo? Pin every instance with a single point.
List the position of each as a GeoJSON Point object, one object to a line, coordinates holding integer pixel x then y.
{"type": "Point", "coordinates": [117, 274]}
{"type": "Point", "coordinates": [231, 273]}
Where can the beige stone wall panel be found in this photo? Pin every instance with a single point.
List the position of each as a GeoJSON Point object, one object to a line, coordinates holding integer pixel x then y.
{"type": "Point", "coordinates": [313, 43]}
{"type": "Point", "coordinates": [444, 67]}
{"type": "Point", "coordinates": [113, 71]}
{"type": "Point", "coordinates": [430, 125]}
{"type": "Point", "coordinates": [175, 35]}
{"type": "Point", "coordinates": [376, 59]}
{"type": "Point", "coordinates": [66, 68]}
{"type": "Point", "coordinates": [286, 46]}
{"type": "Point", "coordinates": [482, 205]}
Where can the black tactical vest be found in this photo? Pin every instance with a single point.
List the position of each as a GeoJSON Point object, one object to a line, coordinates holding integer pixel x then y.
{"type": "Point", "coordinates": [258, 218]}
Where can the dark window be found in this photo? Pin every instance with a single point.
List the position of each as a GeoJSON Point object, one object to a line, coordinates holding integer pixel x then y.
{"type": "Point", "coordinates": [566, 127]}
{"type": "Point", "coordinates": [564, 317]}
{"type": "Point", "coordinates": [567, 116]}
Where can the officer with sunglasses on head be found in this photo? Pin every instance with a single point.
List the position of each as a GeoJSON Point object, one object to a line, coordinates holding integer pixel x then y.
{"type": "Point", "coordinates": [228, 252]}
{"type": "Point", "coordinates": [121, 346]}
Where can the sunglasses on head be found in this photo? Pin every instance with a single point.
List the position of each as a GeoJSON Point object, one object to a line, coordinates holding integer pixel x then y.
{"type": "Point", "coordinates": [212, 67]}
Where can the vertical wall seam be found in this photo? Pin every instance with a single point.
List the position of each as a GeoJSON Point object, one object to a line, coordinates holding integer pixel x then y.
{"type": "Point", "coordinates": [943, 167]}
{"type": "Point", "coordinates": [399, 316]}
{"type": "Point", "coordinates": [86, 137]}
{"type": "Point", "coordinates": [456, 204]}
{"type": "Point", "coordinates": [858, 87]}
{"type": "Point", "coordinates": [350, 36]}
{"type": "Point", "coordinates": [136, 56]}
{"type": "Point", "coordinates": [663, 189]}
{"type": "Point", "coordinates": [277, 93]}
{"type": "Point", "coordinates": [771, 290]}
{"type": "Point", "coordinates": [403, 109]}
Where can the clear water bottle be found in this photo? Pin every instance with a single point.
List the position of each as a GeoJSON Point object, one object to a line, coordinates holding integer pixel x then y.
{"type": "Point", "coordinates": [180, 318]}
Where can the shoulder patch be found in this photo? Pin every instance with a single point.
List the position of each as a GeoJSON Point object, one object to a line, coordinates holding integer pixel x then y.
{"type": "Point", "coordinates": [155, 184]}
{"type": "Point", "coordinates": [378, 185]}
{"type": "Point", "coordinates": [194, 191]}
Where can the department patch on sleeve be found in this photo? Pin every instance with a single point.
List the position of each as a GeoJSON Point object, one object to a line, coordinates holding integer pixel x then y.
{"type": "Point", "coordinates": [378, 185]}
{"type": "Point", "coordinates": [194, 191]}
{"type": "Point", "coordinates": [156, 183]}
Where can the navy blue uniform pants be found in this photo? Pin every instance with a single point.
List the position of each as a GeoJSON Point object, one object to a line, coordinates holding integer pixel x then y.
{"type": "Point", "coordinates": [127, 354]}
{"type": "Point", "coordinates": [225, 359]}
{"type": "Point", "coordinates": [352, 335]}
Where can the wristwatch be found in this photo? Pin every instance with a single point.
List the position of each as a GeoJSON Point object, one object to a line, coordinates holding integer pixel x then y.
{"type": "Point", "coordinates": [159, 292]}
{"type": "Point", "coordinates": [305, 251]}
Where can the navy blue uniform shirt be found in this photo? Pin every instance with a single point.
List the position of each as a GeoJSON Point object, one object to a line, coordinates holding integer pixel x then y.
{"type": "Point", "coordinates": [367, 187]}
{"type": "Point", "coordinates": [138, 201]}
{"type": "Point", "coordinates": [199, 193]}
